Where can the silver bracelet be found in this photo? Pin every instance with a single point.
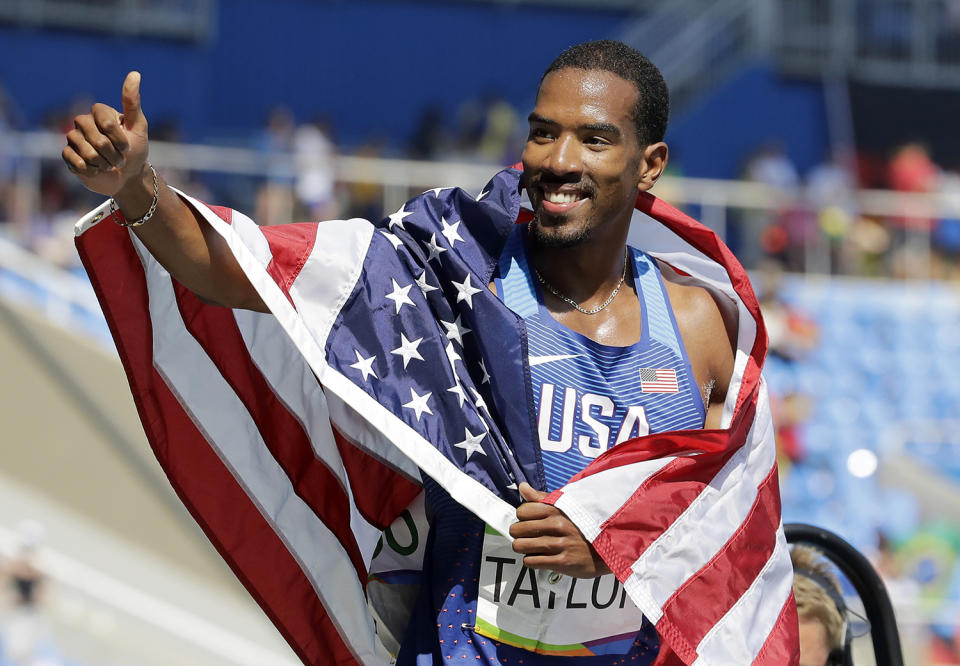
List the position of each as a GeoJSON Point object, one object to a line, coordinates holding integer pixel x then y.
{"type": "Point", "coordinates": [150, 211]}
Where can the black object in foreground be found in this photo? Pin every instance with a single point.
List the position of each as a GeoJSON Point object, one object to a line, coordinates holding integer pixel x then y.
{"type": "Point", "coordinates": [866, 581]}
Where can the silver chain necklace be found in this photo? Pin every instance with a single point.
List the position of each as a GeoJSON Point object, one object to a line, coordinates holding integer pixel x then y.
{"type": "Point", "coordinates": [576, 305]}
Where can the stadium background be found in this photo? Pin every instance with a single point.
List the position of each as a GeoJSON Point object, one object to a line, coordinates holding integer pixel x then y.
{"type": "Point", "coordinates": [815, 136]}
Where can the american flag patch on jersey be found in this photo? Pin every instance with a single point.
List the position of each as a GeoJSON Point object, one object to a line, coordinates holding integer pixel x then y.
{"type": "Point", "coordinates": [658, 380]}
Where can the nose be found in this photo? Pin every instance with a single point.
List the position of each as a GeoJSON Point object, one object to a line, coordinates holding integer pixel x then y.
{"type": "Point", "coordinates": [564, 157]}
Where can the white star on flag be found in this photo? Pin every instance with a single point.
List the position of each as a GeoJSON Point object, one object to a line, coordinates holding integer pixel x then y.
{"type": "Point", "coordinates": [398, 218]}
{"type": "Point", "coordinates": [435, 250]}
{"type": "Point", "coordinates": [455, 330]}
{"type": "Point", "coordinates": [408, 350]}
{"type": "Point", "coordinates": [471, 443]}
{"type": "Point", "coordinates": [452, 354]}
{"type": "Point", "coordinates": [399, 295]}
{"type": "Point", "coordinates": [437, 190]}
{"type": "Point", "coordinates": [394, 241]}
{"type": "Point", "coordinates": [486, 375]}
{"type": "Point", "coordinates": [365, 365]}
{"type": "Point", "coordinates": [450, 231]}
{"type": "Point", "coordinates": [458, 390]}
{"type": "Point", "coordinates": [465, 290]}
{"type": "Point", "coordinates": [425, 286]}
{"type": "Point", "coordinates": [478, 400]}
{"type": "Point", "coordinates": [418, 403]}
{"type": "Point", "coordinates": [482, 194]}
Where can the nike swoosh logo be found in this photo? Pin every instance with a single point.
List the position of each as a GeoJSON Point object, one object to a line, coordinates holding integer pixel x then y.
{"type": "Point", "coordinates": [538, 360]}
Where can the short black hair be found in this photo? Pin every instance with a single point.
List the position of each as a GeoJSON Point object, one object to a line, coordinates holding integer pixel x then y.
{"type": "Point", "coordinates": [652, 110]}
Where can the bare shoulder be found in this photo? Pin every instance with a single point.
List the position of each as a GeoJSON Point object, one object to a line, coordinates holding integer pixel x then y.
{"type": "Point", "coordinates": [704, 313]}
{"type": "Point", "coordinates": [707, 321]}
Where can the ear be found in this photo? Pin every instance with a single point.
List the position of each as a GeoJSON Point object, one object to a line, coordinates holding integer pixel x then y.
{"type": "Point", "coordinates": [652, 163]}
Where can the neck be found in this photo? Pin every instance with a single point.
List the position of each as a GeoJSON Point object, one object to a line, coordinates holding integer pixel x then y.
{"type": "Point", "coordinates": [586, 272]}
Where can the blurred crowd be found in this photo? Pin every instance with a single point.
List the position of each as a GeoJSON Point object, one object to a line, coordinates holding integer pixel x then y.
{"type": "Point", "coordinates": [820, 222]}
{"type": "Point", "coordinates": [40, 200]}
{"type": "Point", "coordinates": [812, 222]}
{"type": "Point", "coordinates": [916, 552]}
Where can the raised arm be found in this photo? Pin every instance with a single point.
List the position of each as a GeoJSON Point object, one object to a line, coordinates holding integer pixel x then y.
{"type": "Point", "coordinates": [108, 151]}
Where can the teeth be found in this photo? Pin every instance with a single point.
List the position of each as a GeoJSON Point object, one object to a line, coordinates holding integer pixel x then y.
{"type": "Point", "coordinates": [561, 197]}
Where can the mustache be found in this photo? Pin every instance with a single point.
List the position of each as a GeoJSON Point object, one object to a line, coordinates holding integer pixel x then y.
{"type": "Point", "coordinates": [542, 179]}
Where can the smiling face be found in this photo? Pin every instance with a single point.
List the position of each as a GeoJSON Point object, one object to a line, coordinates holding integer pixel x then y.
{"type": "Point", "coordinates": [583, 164]}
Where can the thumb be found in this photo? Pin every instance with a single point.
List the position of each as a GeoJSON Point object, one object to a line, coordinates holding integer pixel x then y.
{"type": "Point", "coordinates": [132, 115]}
{"type": "Point", "coordinates": [529, 493]}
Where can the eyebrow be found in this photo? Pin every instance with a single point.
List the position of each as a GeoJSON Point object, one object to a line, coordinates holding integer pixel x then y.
{"type": "Point", "coordinates": [593, 127]}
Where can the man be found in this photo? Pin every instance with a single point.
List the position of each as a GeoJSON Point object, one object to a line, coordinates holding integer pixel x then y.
{"type": "Point", "coordinates": [820, 608]}
{"type": "Point", "coordinates": [615, 353]}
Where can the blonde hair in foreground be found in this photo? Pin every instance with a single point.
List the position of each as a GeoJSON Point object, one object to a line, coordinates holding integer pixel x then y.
{"type": "Point", "coordinates": [813, 602]}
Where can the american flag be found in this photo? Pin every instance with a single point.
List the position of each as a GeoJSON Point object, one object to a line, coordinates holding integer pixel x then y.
{"type": "Point", "coordinates": [295, 438]}
{"type": "Point", "coordinates": [658, 380]}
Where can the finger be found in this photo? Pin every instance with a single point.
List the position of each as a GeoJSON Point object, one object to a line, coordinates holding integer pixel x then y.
{"type": "Point", "coordinates": [550, 525]}
{"type": "Point", "coordinates": [92, 135]}
{"type": "Point", "coordinates": [529, 493]}
{"type": "Point", "coordinates": [551, 562]}
{"type": "Point", "coordinates": [77, 140]}
{"type": "Point", "coordinates": [544, 545]}
{"type": "Point", "coordinates": [73, 161]}
{"type": "Point", "coordinates": [132, 113]}
{"type": "Point", "coordinates": [536, 511]}
{"type": "Point", "coordinates": [100, 142]}
{"type": "Point", "coordinates": [108, 122]}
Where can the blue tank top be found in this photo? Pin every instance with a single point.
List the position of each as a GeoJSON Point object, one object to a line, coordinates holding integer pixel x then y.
{"type": "Point", "coordinates": [588, 397]}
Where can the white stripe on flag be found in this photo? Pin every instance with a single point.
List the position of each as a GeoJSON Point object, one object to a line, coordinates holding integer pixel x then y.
{"type": "Point", "coordinates": [330, 273]}
{"type": "Point", "coordinates": [714, 516]}
{"type": "Point", "coordinates": [226, 425]}
{"type": "Point", "coordinates": [592, 500]}
{"type": "Point", "coordinates": [297, 388]}
{"type": "Point", "coordinates": [756, 611]}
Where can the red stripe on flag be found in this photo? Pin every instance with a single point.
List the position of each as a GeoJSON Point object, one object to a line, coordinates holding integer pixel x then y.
{"type": "Point", "coordinates": [781, 646]}
{"type": "Point", "coordinates": [215, 328]}
{"type": "Point", "coordinates": [228, 517]}
{"type": "Point", "coordinates": [368, 477]}
{"type": "Point", "coordinates": [653, 507]}
{"type": "Point", "coordinates": [224, 213]}
{"type": "Point", "coordinates": [707, 595]}
{"type": "Point", "coordinates": [667, 657]}
{"type": "Point", "coordinates": [290, 247]}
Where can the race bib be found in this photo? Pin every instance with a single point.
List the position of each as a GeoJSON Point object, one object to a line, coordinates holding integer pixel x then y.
{"type": "Point", "coordinates": [549, 613]}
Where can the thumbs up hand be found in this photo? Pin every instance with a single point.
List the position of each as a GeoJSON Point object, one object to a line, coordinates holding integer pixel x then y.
{"type": "Point", "coordinates": [105, 148]}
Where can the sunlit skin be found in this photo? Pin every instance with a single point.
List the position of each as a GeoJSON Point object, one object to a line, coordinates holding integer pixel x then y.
{"type": "Point", "coordinates": [813, 642]}
{"type": "Point", "coordinates": [583, 142]}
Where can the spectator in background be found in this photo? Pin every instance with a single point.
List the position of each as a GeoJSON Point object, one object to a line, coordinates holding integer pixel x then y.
{"type": "Point", "coordinates": [7, 162]}
{"type": "Point", "coordinates": [769, 165]}
{"type": "Point", "coordinates": [275, 197]}
{"type": "Point", "coordinates": [946, 233]}
{"type": "Point", "coordinates": [498, 142]}
{"type": "Point", "coordinates": [24, 635]}
{"type": "Point", "coordinates": [819, 606]}
{"type": "Point", "coordinates": [911, 170]}
{"type": "Point", "coordinates": [772, 166]}
{"type": "Point", "coordinates": [365, 197]}
{"type": "Point", "coordinates": [430, 139]}
{"type": "Point", "coordinates": [831, 194]}
{"type": "Point", "coordinates": [313, 157]}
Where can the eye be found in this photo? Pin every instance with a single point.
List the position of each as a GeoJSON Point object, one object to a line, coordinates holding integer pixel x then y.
{"type": "Point", "coordinates": [540, 133]}
{"type": "Point", "coordinates": [596, 141]}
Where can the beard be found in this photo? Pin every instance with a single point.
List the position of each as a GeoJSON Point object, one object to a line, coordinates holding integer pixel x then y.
{"type": "Point", "coordinates": [556, 236]}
